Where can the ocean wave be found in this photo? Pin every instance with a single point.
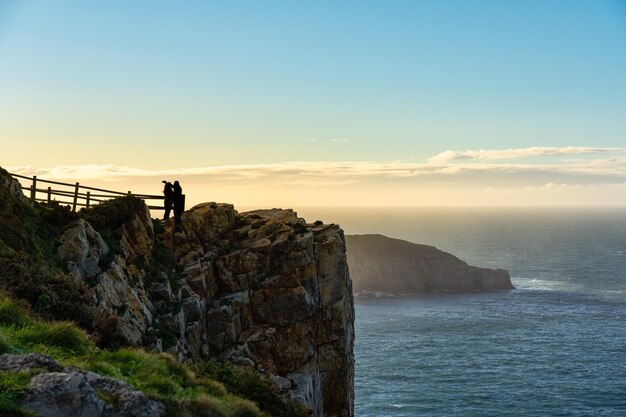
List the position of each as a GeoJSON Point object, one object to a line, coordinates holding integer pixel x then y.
{"type": "Point", "coordinates": [373, 294]}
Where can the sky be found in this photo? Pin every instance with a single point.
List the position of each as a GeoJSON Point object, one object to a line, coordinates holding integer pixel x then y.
{"type": "Point", "coordinates": [326, 103]}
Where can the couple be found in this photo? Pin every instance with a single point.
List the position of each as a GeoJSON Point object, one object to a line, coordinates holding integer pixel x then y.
{"type": "Point", "coordinates": [173, 195]}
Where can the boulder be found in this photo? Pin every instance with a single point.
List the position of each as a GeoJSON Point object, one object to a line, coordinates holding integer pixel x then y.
{"type": "Point", "coordinates": [61, 394]}
{"type": "Point", "coordinates": [82, 248]}
{"type": "Point", "coordinates": [28, 362]}
{"type": "Point", "coordinates": [74, 393]}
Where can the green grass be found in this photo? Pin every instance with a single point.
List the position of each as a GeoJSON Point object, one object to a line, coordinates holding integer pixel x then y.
{"type": "Point", "coordinates": [207, 389]}
{"type": "Point", "coordinates": [63, 336]}
{"type": "Point", "coordinates": [12, 386]}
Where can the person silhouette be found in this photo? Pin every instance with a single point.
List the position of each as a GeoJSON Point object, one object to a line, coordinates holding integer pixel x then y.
{"type": "Point", "coordinates": [168, 192]}
{"type": "Point", "coordinates": [178, 201]}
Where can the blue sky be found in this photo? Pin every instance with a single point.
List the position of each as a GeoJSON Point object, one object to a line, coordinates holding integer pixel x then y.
{"type": "Point", "coordinates": [178, 85]}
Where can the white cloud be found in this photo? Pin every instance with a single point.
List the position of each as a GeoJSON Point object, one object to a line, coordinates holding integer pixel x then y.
{"type": "Point", "coordinates": [518, 153]}
{"type": "Point", "coordinates": [476, 168]}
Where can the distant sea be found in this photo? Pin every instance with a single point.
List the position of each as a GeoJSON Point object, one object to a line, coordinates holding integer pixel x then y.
{"type": "Point", "coordinates": [555, 346]}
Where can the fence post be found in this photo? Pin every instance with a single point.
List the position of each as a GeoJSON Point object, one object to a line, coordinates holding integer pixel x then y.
{"type": "Point", "coordinates": [129, 193]}
{"type": "Point", "coordinates": [49, 195]}
{"type": "Point", "coordinates": [75, 197]}
{"type": "Point", "coordinates": [33, 189]}
{"type": "Point", "coordinates": [88, 197]}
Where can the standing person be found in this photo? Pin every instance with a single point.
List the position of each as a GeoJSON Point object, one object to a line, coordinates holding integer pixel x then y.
{"type": "Point", "coordinates": [178, 202]}
{"type": "Point", "coordinates": [168, 192]}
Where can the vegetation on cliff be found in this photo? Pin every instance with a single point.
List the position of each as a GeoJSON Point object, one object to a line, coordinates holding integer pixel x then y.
{"type": "Point", "coordinates": [28, 268]}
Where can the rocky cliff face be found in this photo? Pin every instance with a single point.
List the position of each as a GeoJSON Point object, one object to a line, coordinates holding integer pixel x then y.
{"type": "Point", "coordinates": [261, 288]}
{"type": "Point", "coordinates": [380, 263]}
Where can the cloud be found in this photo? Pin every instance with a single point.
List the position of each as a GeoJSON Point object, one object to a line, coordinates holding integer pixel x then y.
{"type": "Point", "coordinates": [483, 168]}
{"type": "Point", "coordinates": [519, 153]}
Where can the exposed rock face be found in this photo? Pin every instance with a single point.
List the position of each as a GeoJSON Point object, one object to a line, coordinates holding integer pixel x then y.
{"type": "Point", "coordinates": [82, 249]}
{"type": "Point", "coordinates": [13, 185]}
{"type": "Point", "coordinates": [66, 392]}
{"type": "Point", "coordinates": [260, 288]}
{"type": "Point", "coordinates": [380, 263]}
{"type": "Point", "coordinates": [25, 363]}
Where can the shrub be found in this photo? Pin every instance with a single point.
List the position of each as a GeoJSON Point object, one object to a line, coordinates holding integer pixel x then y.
{"type": "Point", "coordinates": [11, 314]}
{"type": "Point", "coordinates": [158, 227]}
{"type": "Point", "coordinates": [248, 383]}
{"type": "Point", "coordinates": [57, 216]}
{"type": "Point", "coordinates": [112, 214]}
{"type": "Point", "coordinates": [203, 406]}
{"type": "Point", "coordinates": [244, 408]}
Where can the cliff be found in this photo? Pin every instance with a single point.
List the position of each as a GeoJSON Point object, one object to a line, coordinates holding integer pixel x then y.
{"type": "Point", "coordinates": [380, 263]}
{"type": "Point", "coordinates": [261, 289]}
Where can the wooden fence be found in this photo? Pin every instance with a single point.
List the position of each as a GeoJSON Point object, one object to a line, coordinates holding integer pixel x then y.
{"type": "Point", "coordinates": [77, 195]}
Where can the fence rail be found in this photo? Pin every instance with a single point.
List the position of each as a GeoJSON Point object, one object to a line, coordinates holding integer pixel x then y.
{"type": "Point", "coordinates": [74, 197]}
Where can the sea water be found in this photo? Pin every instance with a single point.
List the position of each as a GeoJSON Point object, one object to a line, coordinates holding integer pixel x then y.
{"type": "Point", "coordinates": [555, 346]}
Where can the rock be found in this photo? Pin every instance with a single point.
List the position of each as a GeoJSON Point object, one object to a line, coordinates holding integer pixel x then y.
{"type": "Point", "coordinates": [60, 394]}
{"type": "Point", "coordinates": [161, 291]}
{"type": "Point", "coordinates": [282, 384]}
{"type": "Point", "coordinates": [242, 361]}
{"type": "Point", "coordinates": [73, 393]}
{"type": "Point", "coordinates": [129, 401]}
{"type": "Point", "coordinates": [137, 236]}
{"type": "Point", "coordinates": [82, 248]}
{"type": "Point", "coordinates": [380, 263]}
{"type": "Point", "coordinates": [306, 389]}
{"type": "Point", "coordinates": [14, 187]}
{"type": "Point", "coordinates": [208, 221]}
{"type": "Point", "coordinates": [28, 362]}
{"type": "Point", "coordinates": [118, 298]}
{"type": "Point", "coordinates": [193, 309]}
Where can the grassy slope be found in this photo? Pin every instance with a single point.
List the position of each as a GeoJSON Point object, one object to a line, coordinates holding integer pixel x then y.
{"type": "Point", "coordinates": [185, 391]}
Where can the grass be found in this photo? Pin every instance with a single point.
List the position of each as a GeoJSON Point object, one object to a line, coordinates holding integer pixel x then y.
{"type": "Point", "coordinates": [12, 386]}
{"type": "Point", "coordinates": [207, 389]}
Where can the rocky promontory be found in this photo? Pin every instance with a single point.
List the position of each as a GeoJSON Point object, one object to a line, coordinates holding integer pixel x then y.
{"type": "Point", "coordinates": [381, 263]}
{"type": "Point", "coordinates": [262, 289]}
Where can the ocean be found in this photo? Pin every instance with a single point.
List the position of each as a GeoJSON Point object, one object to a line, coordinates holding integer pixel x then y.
{"type": "Point", "coordinates": [555, 346]}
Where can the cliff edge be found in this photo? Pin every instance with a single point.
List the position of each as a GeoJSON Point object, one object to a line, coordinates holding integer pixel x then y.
{"type": "Point", "coordinates": [381, 263]}
{"type": "Point", "coordinates": [261, 289]}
